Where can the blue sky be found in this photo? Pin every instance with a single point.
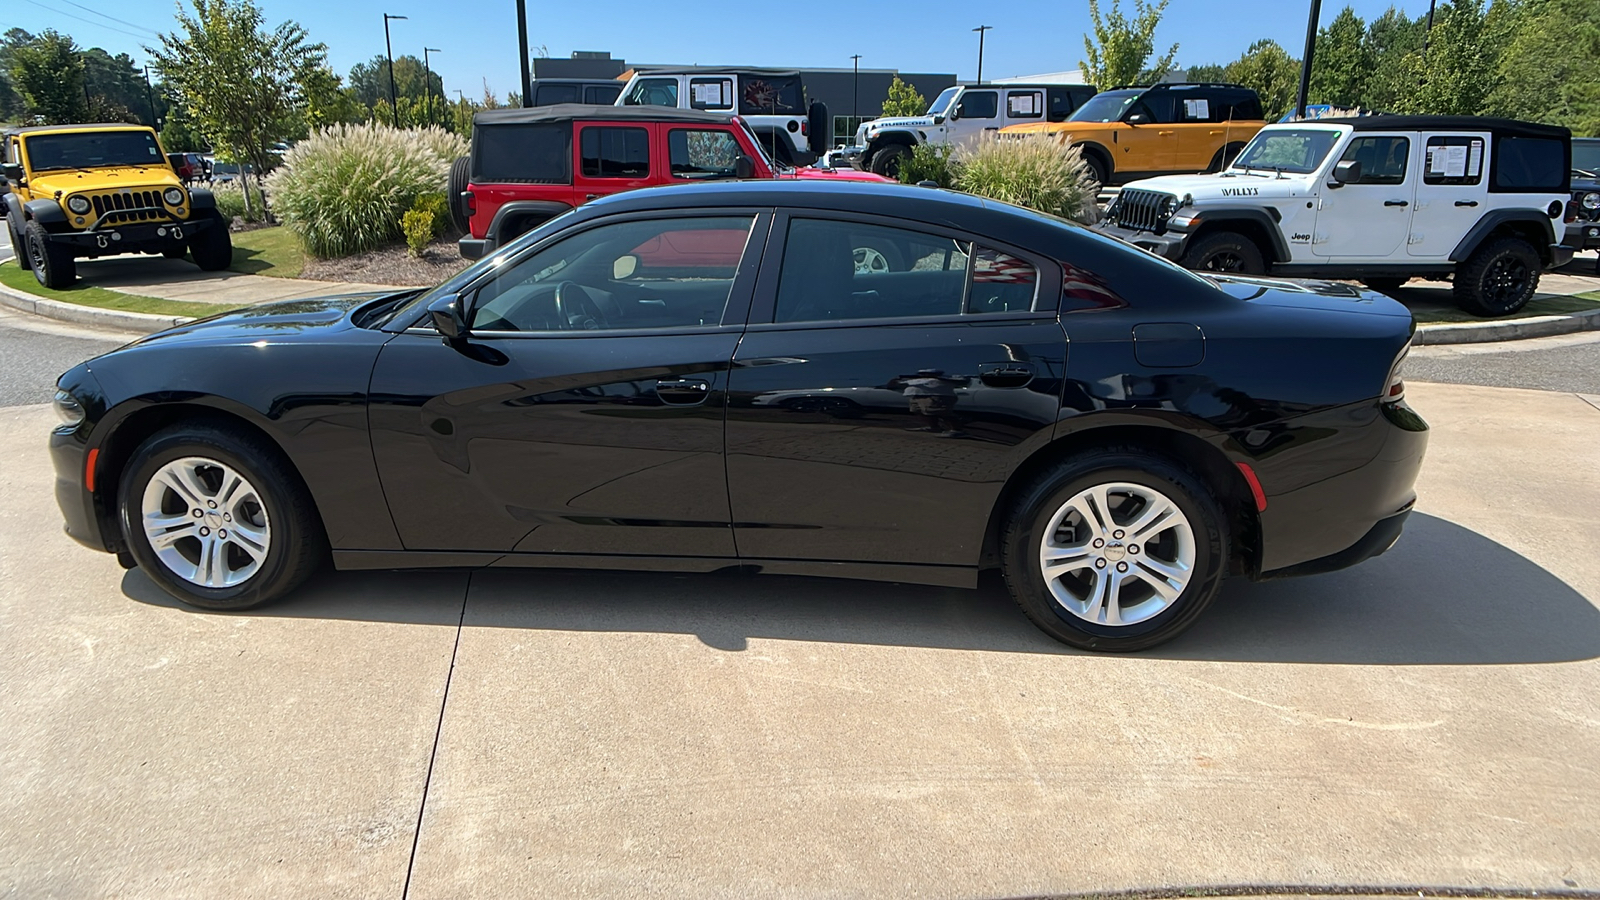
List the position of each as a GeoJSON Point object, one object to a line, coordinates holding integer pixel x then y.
{"type": "Point", "coordinates": [478, 39]}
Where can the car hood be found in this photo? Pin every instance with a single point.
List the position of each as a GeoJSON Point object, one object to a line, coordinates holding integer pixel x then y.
{"type": "Point", "coordinates": [267, 321]}
{"type": "Point", "coordinates": [1225, 187]}
{"type": "Point", "coordinates": [877, 125]}
{"type": "Point", "coordinates": [72, 181]}
{"type": "Point", "coordinates": [1334, 296]}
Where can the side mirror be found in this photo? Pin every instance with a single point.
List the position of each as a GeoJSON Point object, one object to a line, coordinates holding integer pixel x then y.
{"type": "Point", "coordinates": [12, 171]}
{"type": "Point", "coordinates": [1138, 118]}
{"type": "Point", "coordinates": [744, 167]}
{"type": "Point", "coordinates": [956, 113]}
{"type": "Point", "coordinates": [448, 317]}
{"type": "Point", "coordinates": [938, 120]}
{"type": "Point", "coordinates": [624, 267]}
{"type": "Point", "coordinates": [1347, 171]}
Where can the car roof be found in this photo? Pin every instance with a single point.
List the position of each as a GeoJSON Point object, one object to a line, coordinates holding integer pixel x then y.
{"type": "Point", "coordinates": [565, 112]}
{"type": "Point", "coordinates": [1511, 127]}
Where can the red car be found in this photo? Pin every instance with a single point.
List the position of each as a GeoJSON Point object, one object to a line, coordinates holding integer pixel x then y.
{"type": "Point", "coordinates": [530, 165]}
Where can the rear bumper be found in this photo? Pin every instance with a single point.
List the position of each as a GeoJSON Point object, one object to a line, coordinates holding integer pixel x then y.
{"type": "Point", "coordinates": [1168, 246]}
{"type": "Point", "coordinates": [473, 248]}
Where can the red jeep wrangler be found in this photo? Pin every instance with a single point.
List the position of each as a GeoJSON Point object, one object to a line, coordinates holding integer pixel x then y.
{"type": "Point", "coordinates": [529, 165]}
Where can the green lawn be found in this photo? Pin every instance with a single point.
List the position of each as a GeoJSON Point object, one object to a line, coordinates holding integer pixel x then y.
{"type": "Point", "coordinates": [1434, 307]}
{"type": "Point", "coordinates": [14, 276]}
{"type": "Point", "coordinates": [268, 251]}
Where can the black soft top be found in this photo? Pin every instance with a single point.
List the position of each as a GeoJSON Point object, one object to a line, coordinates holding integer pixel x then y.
{"type": "Point", "coordinates": [716, 70]}
{"type": "Point", "coordinates": [566, 112]}
{"type": "Point", "coordinates": [1511, 127]}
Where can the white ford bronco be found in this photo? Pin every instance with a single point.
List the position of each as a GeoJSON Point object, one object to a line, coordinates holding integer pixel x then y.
{"type": "Point", "coordinates": [771, 101]}
{"type": "Point", "coordinates": [959, 113]}
{"type": "Point", "coordinates": [1380, 199]}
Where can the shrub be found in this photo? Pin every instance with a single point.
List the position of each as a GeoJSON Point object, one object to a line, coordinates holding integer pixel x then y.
{"type": "Point", "coordinates": [929, 162]}
{"type": "Point", "coordinates": [230, 201]}
{"type": "Point", "coordinates": [345, 189]}
{"type": "Point", "coordinates": [434, 204]}
{"type": "Point", "coordinates": [1040, 172]}
{"type": "Point", "coordinates": [418, 227]}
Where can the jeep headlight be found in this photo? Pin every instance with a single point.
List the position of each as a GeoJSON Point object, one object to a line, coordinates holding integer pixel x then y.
{"type": "Point", "coordinates": [78, 205]}
{"type": "Point", "coordinates": [1591, 200]}
{"type": "Point", "coordinates": [173, 196]}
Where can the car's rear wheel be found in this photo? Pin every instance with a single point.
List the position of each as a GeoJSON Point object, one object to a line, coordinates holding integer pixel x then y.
{"type": "Point", "coordinates": [217, 518]}
{"type": "Point", "coordinates": [211, 247]}
{"type": "Point", "coordinates": [1098, 167]}
{"type": "Point", "coordinates": [1115, 549]}
{"type": "Point", "coordinates": [1227, 252]}
{"type": "Point", "coordinates": [886, 162]}
{"type": "Point", "coordinates": [1499, 278]}
{"type": "Point", "coordinates": [52, 264]}
{"type": "Point", "coordinates": [460, 180]}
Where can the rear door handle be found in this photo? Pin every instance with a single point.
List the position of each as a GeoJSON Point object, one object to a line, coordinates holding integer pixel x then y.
{"type": "Point", "coordinates": [1466, 203]}
{"type": "Point", "coordinates": [1396, 203]}
{"type": "Point", "coordinates": [1166, 132]}
{"type": "Point", "coordinates": [683, 391]}
{"type": "Point", "coordinates": [1006, 374]}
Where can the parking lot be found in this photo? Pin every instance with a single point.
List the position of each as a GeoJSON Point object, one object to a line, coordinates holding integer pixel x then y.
{"type": "Point", "coordinates": [1430, 719]}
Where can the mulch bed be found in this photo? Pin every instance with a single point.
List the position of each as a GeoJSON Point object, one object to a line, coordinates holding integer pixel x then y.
{"type": "Point", "coordinates": [392, 265]}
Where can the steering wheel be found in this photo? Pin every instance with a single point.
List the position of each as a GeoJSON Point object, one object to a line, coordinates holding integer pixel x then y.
{"type": "Point", "coordinates": [577, 310]}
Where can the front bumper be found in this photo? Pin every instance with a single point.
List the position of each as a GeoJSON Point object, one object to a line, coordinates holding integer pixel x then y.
{"type": "Point", "coordinates": [1582, 236]}
{"type": "Point", "coordinates": [1169, 245]}
{"type": "Point", "coordinates": [133, 238]}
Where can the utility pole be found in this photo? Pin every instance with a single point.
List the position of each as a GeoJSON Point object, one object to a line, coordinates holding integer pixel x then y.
{"type": "Point", "coordinates": [1427, 38]}
{"type": "Point", "coordinates": [150, 97]}
{"type": "Point", "coordinates": [427, 81]}
{"type": "Point", "coordinates": [1305, 64]}
{"type": "Point", "coordinates": [522, 46]}
{"type": "Point", "coordinates": [388, 51]}
{"type": "Point", "coordinates": [980, 30]}
{"type": "Point", "coordinates": [855, 95]}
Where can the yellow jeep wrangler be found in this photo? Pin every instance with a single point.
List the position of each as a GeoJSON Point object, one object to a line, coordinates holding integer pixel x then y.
{"type": "Point", "coordinates": [99, 190]}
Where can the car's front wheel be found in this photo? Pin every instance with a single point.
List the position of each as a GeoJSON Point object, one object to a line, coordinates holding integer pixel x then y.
{"type": "Point", "coordinates": [52, 264]}
{"type": "Point", "coordinates": [212, 248]}
{"type": "Point", "coordinates": [886, 162]}
{"type": "Point", "coordinates": [217, 518]}
{"type": "Point", "coordinates": [1115, 549]}
{"type": "Point", "coordinates": [1227, 252]}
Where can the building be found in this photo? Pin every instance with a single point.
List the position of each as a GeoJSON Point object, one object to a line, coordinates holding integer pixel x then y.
{"type": "Point", "coordinates": [847, 103]}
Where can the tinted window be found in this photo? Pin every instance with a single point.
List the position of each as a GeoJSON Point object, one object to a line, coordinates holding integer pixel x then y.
{"type": "Point", "coordinates": [1383, 159]}
{"type": "Point", "coordinates": [1453, 160]}
{"type": "Point", "coordinates": [1586, 157]}
{"type": "Point", "coordinates": [848, 270]}
{"type": "Point", "coordinates": [697, 153]}
{"type": "Point", "coordinates": [1158, 105]}
{"type": "Point", "coordinates": [1105, 107]}
{"type": "Point", "coordinates": [1001, 282]}
{"type": "Point", "coordinates": [1530, 164]}
{"type": "Point", "coordinates": [771, 96]}
{"type": "Point", "coordinates": [601, 94]}
{"type": "Point", "coordinates": [546, 94]}
{"type": "Point", "coordinates": [534, 153]}
{"type": "Point", "coordinates": [1061, 104]}
{"type": "Point", "coordinates": [615, 152]}
{"type": "Point", "coordinates": [711, 93]}
{"type": "Point", "coordinates": [1025, 104]}
{"type": "Point", "coordinates": [979, 105]}
{"type": "Point", "coordinates": [1196, 108]}
{"type": "Point", "coordinates": [664, 273]}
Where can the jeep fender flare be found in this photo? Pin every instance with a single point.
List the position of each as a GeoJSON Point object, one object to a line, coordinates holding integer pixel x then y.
{"type": "Point", "coordinates": [202, 198]}
{"type": "Point", "coordinates": [13, 206]}
{"type": "Point", "coordinates": [1277, 249]}
{"type": "Point", "coordinates": [46, 212]}
{"type": "Point", "coordinates": [531, 213]}
{"type": "Point", "coordinates": [1494, 219]}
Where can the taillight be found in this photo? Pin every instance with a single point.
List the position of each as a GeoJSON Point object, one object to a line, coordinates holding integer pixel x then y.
{"type": "Point", "coordinates": [805, 126]}
{"type": "Point", "coordinates": [472, 203]}
{"type": "Point", "coordinates": [1394, 390]}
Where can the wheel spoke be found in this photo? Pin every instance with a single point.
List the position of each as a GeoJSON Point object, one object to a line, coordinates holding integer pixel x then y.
{"type": "Point", "coordinates": [183, 483]}
{"type": "Point", "coordinates": [250, 541]}
{"type": "Point", "coordinates": [230, 485]}
{"type": "Point", "coordinates": [162, 538]}
{"type": "Point", "coordinates": [1155, 518]}
{"type": "Point", "coordinates": [1167, 586]}
{"type": "Point", "coordinates": [211, 571]}
{"type": "Point", "coordinates": [1058, 561]}
{"type": "Point", "coordinates": [1104, 606]}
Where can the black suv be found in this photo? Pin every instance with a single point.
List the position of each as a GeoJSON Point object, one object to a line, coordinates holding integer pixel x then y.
{"type": "Point", "coordinates": [1583, 211]}
{"type": "Point", "coordinates": [593, 91]}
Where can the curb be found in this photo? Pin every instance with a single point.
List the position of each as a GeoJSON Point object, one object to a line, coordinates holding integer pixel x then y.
{"type": "Point", "coordinates": [1506, 330]}
{"type": "Point", "coordinates": [117, 319]}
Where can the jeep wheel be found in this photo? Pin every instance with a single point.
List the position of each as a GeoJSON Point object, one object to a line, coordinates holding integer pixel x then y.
{"type": "Point", "coordinates": [460, 180]}
{"type": "Point", "coordinates": [52, 263]}
{"type": "Point", "coordinates": [1225, 251]}
{"type": "Point", "coordinates": [1499, 278]}
{"type": "Point", "coordinates": [212, 247]}
{"type": "Point", "coordinates": [19, 247]}
{"type": "Point", "coordinates": [886, 162]}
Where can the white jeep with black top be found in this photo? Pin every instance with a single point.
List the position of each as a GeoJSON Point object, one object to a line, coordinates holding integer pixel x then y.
{"type": "Point", "coordinates": [1379, 199]}
{"type": "Point", "coordinates": [771, 101]}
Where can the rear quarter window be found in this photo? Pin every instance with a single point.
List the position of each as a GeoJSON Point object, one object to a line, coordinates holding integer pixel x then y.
{"type": "Point", "coordinates": [534, 153]}
{"type": "Point", "coordinates": [1533, 165]}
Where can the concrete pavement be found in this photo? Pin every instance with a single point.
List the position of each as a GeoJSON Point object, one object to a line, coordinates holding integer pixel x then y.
{"type": "Point", "coordinates": [1430, 718]}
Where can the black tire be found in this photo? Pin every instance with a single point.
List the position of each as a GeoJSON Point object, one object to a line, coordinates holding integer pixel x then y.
{"type": "Point", "coordinates": [460, 180]}
{"type": "Point", "coordinates": [19, 250]}
{"type": "Point", "coordinates": [52, 264]}
{"type": "Point", "coordinates": [886, 162]}
{"type": "Point", "coordinates": [296, 546]}
{"type": "Point", "coordinates": [1385, 285]}
{"type": "Point", "coordinates": [819, 128]}
{"type": "Point", "coordinates": [1098, 167]}
{"type": "Point", "coordinates": [1227, 252]}
{"type": "Point", "coordinates": [1224, 158]}
{"type": "Point", "coordinates": [211, 247]}
{"type": "Point", "coordinates": [175, 252]}
{"type": "Point", "coordinates": [1499, 278]}
{"type": "Point", "coordinates": [1037, 505]}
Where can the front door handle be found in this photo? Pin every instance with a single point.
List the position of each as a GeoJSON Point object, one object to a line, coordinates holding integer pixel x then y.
{"type": "Point", "coordinates": [1006, 374]}
{"type": "Point", "coordinates": [588, 197]}
{"type": "Point", "coordinates": [1166, 132]}
{"type": "Point", "coordinates": [1466, 203]}
{"type": "Point", "coordinates": [1396, 203]}
{"type": "Point", "coordinates": [683, 391]}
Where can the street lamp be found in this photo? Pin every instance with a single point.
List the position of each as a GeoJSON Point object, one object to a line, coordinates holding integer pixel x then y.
{"type": "Point", "coordinates": [522, 45]}
{"type": "Point", "coordinates": [1305, 65]}
{"type": "Point", "coordinates": [855, 96]}
{"type": "Point", "coordinates": [388, 51]}
{"type": "Point", "coordinates": [980, 30]}
{"type": "Point", "coordinates": [150, 97]}
{"type": "Point", "coordinates": [427, 81]}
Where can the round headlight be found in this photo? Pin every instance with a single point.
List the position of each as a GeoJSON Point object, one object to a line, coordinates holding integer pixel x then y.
{"type": "Point", "coordinates": [1591, 200]}
{"type": "Point", "coordinates": [67, 408]}
{"type": "Point", "coordinates": [79, 205]}
{"type": "Point", "coordinates": [173, 196]}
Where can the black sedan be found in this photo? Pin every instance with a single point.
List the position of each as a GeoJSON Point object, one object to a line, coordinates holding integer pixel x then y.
{"type": "Point", "coordinates": [877, 382]}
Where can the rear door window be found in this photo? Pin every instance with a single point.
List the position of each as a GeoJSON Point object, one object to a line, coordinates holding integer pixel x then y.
{"type": "Point", "coordinates": [547, 94]}
{"type": "Point", "coordinates": [601, 94]}
{"type": "Point", "coordinates": [711, 93]}
{"type": "Point", "coordinates": [1024, 105]}
{"type": "Point", "coordinates": [1456, 159]}
{"type": "Point", "coordinates": [615, 152]}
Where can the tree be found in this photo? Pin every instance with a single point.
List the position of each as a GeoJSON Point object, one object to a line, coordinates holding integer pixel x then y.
{"type": "Point", "coordinates": [1271, 72]}
{"type": "Point", "coordinates": [1342, 61]}
{"type": "Point", "coordinates": [904, 100]}
{"type": "Point", "coordinates": [369, 81]}
{"type": "Point", "coordinates": [1208, 73]}
{"type": "Point", "coordinates": [12, 106]}
{"type": "Point", "coordinates": [1118, 52]}
{"type": "Point", "coordinates": [115, 88]}
{"type": "Point", "coordinates": [1391, 39]}
{"type": "Point", "coordinates": [328, 101]}
{"type": "Point", "coordinates": [242, 85]}
{"type": "Point", "coordinates": [1460, 67]}
{"type": "Point", "coordinates": [1546, 69]}
{"type": "Point", "coordinates": [179, 135]}
{"type": "Point", "coordinates": [48, 73]}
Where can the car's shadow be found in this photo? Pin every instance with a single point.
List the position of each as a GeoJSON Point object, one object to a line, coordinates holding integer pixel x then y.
{"type": "Point", "coordinates": [1443, 595]}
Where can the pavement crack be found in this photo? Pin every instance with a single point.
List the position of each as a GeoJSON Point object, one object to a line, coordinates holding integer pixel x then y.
{"type": "Point", "coordinates": [438, 731]}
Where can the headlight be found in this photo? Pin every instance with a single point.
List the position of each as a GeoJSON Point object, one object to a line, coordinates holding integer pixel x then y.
{"type": "Point", "coordinates": [173, 196]}
{"type": "Point", "coordinates": [1591, 200]}
{"type": "Point", "coordinates": [78, 205]}
{"type": "Point", "coordinates": [67, 408]}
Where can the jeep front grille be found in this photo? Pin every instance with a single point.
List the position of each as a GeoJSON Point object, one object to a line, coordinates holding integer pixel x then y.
{"type": "Point", "coordinates": [125, 207]}
{"type": "Point", "coordinates": [1140, 210]}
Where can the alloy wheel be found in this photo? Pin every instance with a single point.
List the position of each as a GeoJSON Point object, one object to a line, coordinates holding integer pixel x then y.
{"type": "Point", "coordinates": [1506, 280]}
{"type": "Point", "coordinates": [1224, 261]}
{"type": "Point", "coordinates": [870, 261]}
{"type": "Point", "coordinates": [1117, 554]}
{"type": "Point", "coordinates": [205, 522]}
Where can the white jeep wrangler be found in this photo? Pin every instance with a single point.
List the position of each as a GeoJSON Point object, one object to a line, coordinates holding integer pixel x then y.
{"type": "Point", "coordinates": [771, 102]}
{"type": "Point", "coordinates": [1380, 199]}
{"type": "Point", "coordinates": [959, 113]}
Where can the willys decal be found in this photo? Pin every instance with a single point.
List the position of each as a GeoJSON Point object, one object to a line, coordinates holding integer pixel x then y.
{"type": "Point", "coordinates": [1240, 192]}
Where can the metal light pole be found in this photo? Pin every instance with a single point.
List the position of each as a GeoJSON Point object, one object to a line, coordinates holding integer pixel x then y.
{"type": "Point", "coordinates": [980, 30]}
{"type": "Point", "coordinates": [427, 81]}
{"type": "Point", "coordinates": [855, 92]}
{"type": "Point", "coordinates": [522, 45]}
{"type": "Point", "coordinates": [388, 51]}
{"type": "Point", "coordinates": [150, 97]}
{"type": "Point", "coordinates": [1305, 64]}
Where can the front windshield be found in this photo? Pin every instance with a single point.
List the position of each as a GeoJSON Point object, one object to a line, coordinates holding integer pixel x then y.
{"type": "Point", "coordinates": [942, 102]}
{"type": "Point", "coordinates": [88, 149]}
{"type": "Point", "coordinates": [1586, 157]}
{"type": "Point", "coordinates": [1299, 150]}
{"type": "Point", "coordinates": [1105, 107]}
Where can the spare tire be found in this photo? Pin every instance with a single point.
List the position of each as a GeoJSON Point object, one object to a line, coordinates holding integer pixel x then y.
{"type": "Point", "coordinates": [819, 128]}
{"type": "Point", "coordinates": [460, 180]}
